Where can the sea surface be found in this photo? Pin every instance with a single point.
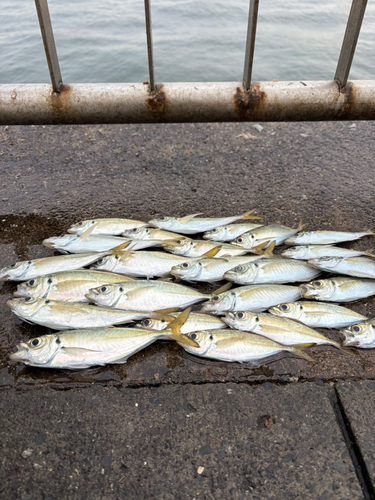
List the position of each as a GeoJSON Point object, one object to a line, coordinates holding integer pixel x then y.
{"type": "Point", "coordinates": [194, 40]}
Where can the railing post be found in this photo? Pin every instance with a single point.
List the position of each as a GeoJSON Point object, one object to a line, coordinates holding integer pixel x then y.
{"type": "Point", "coordinates": [250, 42]}
{"type": "Point", "coordinates": [149, 44]}
{"type": "Point", "coordinates": [353, 28]}
{"type": "Point", "coordinates": [49, 43]}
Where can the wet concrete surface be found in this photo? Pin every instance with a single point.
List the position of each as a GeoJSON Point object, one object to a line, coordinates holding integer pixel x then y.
{"type": "Point", "coordinates": [52, 177]}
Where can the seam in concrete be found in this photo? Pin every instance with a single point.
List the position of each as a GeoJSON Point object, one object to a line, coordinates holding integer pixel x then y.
{"type": "Point", "coordinates": [352, 445]}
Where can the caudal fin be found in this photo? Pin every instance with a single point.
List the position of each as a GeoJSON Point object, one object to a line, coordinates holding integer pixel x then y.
{"type": "Point", "coordinates": [248, 216]}
{"type": "Point", "coordinates": [175, 328]}
{"type": "Point", "coordinates": [299, 350]}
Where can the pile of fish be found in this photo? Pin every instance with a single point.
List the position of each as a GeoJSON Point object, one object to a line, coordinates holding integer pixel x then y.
{"type": "Point", "coordinates": [126, 283]}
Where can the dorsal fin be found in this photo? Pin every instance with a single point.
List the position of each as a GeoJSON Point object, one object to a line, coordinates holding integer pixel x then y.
{"type": "Point", "coordinates": [121, 247]}
{"type": "Point", "coordinates": [88, 231]}
{"type": "Point", "coordinates": [211, 253]}
{"type": "Point", "coordinates": [182, 220]}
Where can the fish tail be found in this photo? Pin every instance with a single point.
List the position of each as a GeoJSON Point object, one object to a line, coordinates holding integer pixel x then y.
{"type": "Point", "coordinates": [258, 250]}
{"type": "Point", "coordinates": [222, 289]}
{"type": "Point", "coordinates": [350, 350]}
{"type": "Point", "coordinates": [372, 231]}
{"type": "Point", "coordinates": [369, 252]}
{"type": "Point", "coordinates": [300, 348]}
{"type": "Point", "coordinates": [247, 215]}
{"type": "Point", "coordinates": [301, 226]}
{"type": "Point", "coordinates": [175, 330]}
{"type": "Point", "coordinates": [270, 247]}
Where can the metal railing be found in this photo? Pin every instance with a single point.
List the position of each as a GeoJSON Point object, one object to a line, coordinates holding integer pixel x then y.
{"type": "Point", "coordinates": [149, 102]}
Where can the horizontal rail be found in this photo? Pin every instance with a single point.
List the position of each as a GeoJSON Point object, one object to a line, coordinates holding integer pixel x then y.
{"type": "Point", "coordinates": [27, 104]}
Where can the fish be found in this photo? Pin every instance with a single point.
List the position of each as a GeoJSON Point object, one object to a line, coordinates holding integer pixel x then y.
{"type": "Point", "coordinates": [243, 347]}
{"type": "Point", "coordinates": [62, 315]}
{"type": "Point", "coordinates": [197, 248]}
{"type": "Point", "coordinates": [70, 285]}
{"type": "Point", "coordinates": [282, 330]}
{"type": "Point", "coordinates": [307, 252]}
{"type": "Point", "coordinates": [266, 233]}
{"type": "Point", "coordinates": [154, 297]}
{"type": "Point", "coordinates": [149, 233]}
{"type": "Point", "coordinates": [191, 224]}
{"type": "Point", "coordinates": [251, 298]}
{"type": "Point", "coordinates": [326, 237]}
{"type": "Point", "coordinates": [105, 226]}
{"type": "Point", "coordinates": [338, 289]}
{"type": "Point", "coordinates": [230, 232]}
{"type": "Point", "coordinates": [82, 348]}
{"type": "Point", "coordinates": [271, 271]}
{"type": "Point", "coordinates": [360, 335]}
{"type": "Point", "coordinates": [29, 269]}
{"type": "Point", "coordinates": [318, 314]}
{"type": "Point", "coordinates": [195, 322]}
{"type": "Point", "coordinates": [360, 267]}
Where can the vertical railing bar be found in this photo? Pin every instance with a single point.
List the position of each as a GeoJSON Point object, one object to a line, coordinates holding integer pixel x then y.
{"type": "Point", "coordinates": [149, 44]}
{"type": "Point", "coordinates": [349, 43]}
{"type": "Point", "coordinates": [49, 43]}
{"type": "Point", "coordinates": [250, 42]}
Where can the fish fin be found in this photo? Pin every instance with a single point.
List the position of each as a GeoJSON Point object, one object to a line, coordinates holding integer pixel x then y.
{"type": "Point", "coordinates": [121, 247]}
{"type": "Point", "coordinates": [301, 226]}
{"type": "Point", "coordinates": [299, 349]}
{"type": "Point", "coordinates": [247, 215]}
{"type": "Point", "coordinates": [175, 326]}
{"type": "Point", "coordinates": [211, 253]}
{"type": "Point", "coordinates": [270, 248]}
{"type": "Point", "coordinates": [350, 350]}
{"type": "Point", "coordinates": [87, 233]}
{"type": "Point", "coordinates": [367, 252]}
{"type": "Point", "coordinates": [258, 250]}
{"type": "Point", "coordinates": [222, 289]}
{"type": "Point", "coordinates": [372, 230]}
{"type": "Point", "coordinates": [166, 278]}
{"type": "Point", "coordinates": [167, 311]}
{"type": "Point", "coordinates": [182, 220]}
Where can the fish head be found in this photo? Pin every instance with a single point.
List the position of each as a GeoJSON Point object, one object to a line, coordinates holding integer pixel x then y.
{"type": "Point", "coordinates": [137, 233]}
{"type": "Point", "coordinates": [223, 302]}
{"type": "Point", "coordinates": [108, 263]}
{"type": "Point", "coordinates": [203, 339]}
{"type": "Point", "coordinates": [297, 252]}
{"type": "Point", "coordinates": [359, 335]}
{"type": "Point", "coordinates": [292, 310]}
{"type": "Point", "coordinates": [303, 237]}
{"type": "Point", "coordinates": [80, 227]}
{"type": "Point", "coordinates": [317, 289]}
{"type": "Point", "coordinates": [60, 243]}
{"type": "Point", "coordinates": [163, 222]}
{"type": "Point", "coordinates": [241, 320]}
{"type": "Point", "coordinates": [37, 352]}
{"type": "Point", "coordinates": [106, 295]}
{"type": "Point", "coordinates": [26, 307]}
{"type": "Point", "coordinates": [217, 234]}
{"type": "Point", "coordinates": [15, 271]}
{"type": "Point", "coordinates": [187, 270]}
{"type": "Point", "coordinates": [246, 240]}
{"type": "Point", "coordinates": [153, 324]}
{"type": "Point", "coordinates": [325, 262]}
{"type": "Point", "coordinates": [35, 287]}
{"type": "Point", "coordinates": [182, 246]}
{"type": "Point", "coordinates": [242, 274]}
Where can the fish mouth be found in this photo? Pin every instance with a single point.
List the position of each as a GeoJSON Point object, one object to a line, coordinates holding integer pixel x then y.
{"type": "Point", "coordinates": [21, 292]}
{"type": "Point", "coordinates": [306, 291]}
{"type": "Point", "coordinates": [22, 353]}
{"type": "Point", "coordinates": [350, 342]}
{"type": "Point", "coordinates": [49, 243]}
{"type": "Point", "coordinates": [92, 295]}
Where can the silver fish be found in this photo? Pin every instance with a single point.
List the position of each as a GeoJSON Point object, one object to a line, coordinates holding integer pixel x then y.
{"type": "Point", "coordinates": [230, 232]}
{"type": "Point", "coordinates": [307, 252]}
{"type": "Point", "coordinates": [105, 226]}
{"type": "Point", "coordinates": [70, 286]}
{"type": "Point", "coordinates": [252, 298]}
{"type": "Point", "coordinates": [262, 234]}
{"type": "Point", "coordinates": [360, 267]}
{"type": "Point", "coordinates": [149, 233]}
{"type": "Point", "coordinates": [326, 237]}
{"type": "Point", "coordinates": [197, 248]}
{"type": "Point", "coordinates": [360, 335]}
{"type": "Point", "coordinates": [271, 271]}
{"type": "Point", "coordinates": [79, 349]}
{"type": "Point", "coordinates": [338, 289]}
{"type": "Point", "coordinates": [195, 322]}
{"type": "Point", "coordinates": [243, 347]}
{"type": "Point", "coordinates": [191, 224]}
{"type": "Point", "coordinates": [61, 315]}
{"type": "Point", "coordinates": [318, 314]}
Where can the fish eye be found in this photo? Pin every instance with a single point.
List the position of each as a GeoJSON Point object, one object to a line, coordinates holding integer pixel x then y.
{"type": "Point", "coordinates": [134, 230]}
{"type": "Point", "coordinates": [356, 329]}
{"type": "Point", "coordinates": [35, 342]}
{"type": "Point", "coordinates": [185, 264]}
{"type": "Point", "coordinates": [193, 336]}
{"type": "Point", "coordinates": [239, 240]}
{"type": "Point", "coordinates": [13, 265]}
{"type": "Point", "coordinates": [100, 261]}
{"type": "Point", "coordinates": [31, 282]}
{"type": "Point", "coordinates": [257, 319]}
{"type": "Point", "coordinates": [121, 289]}
{"type": "Point", "coordinates": [162, 218]}
{"type": "Point", "coordinates": [240, 315]}
{"type": "Point", "coordinates": [49, 280]}
{"type": "Point", "coordinates": [179, 242]}
{"type": "Point", "coordinates": [284, 307]}
{"type": "Point", "coordinates": [216, 297]}
{"type": "Point", "coordinates": [215, 230]}
{"type": "Point", "coordinates": [104, 289]}
{"type": "Point", "coordinates": [317, 283]}
{"type": "Point", "coordinates": [47, 301]}
{"type": "Point", "coordinates": [301, 307]}
{"type": "Point", "coordinates": [117, 257]}
{"type": "Point", "coordinates": [79, 223]}
{"type": "Point", "coordinates": [147, 322]}
{"type": "Point", "coordinates": [238, 269]}
{"type": "Point", "coordinates": [27, 299]}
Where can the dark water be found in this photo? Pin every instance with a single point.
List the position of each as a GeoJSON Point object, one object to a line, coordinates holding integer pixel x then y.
{"type": "Point", "coordinates": [193, 40]}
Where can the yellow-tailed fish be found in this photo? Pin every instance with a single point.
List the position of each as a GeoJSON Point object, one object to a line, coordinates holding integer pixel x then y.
{"type": "Point", "coordinates": [149, 233]}
{"type": "Point", "coordinates": [271, 271]}
{"type": "Point", "coordinates": [360, 267]}
{"type": "Point", "coordinates": [230, 232]}
{"type": "Point", "coordinates": [105, 226]}
{"type": "Point", "coordinates": [195, 322]}
{"type": "Point", "coordinates": [326, 237]}
{"type": "Point", "coordinates": [79, 349]}
{"type": "Point", "coordinates": [197, 248]}
{"type": "Point", "coordinates": [191, 224]}
{"type": "Point", "coordinates": [62, 315]}
{"type": "Point", "coordinates": [71, 285]}
{"type": "Point", "coordinates": [338, 289]}
{"type": "Point", "coordinates": [318, 314]}
{"type": "Point", "coordinates": [360, 335]}
{"type": "Point", "coordinates": [243, 347]}
{"type": "Point", "coordinates": [266, 233]}
{"type": "Point", "coordinates": [251, 298]}
{"type": "Point", "coordinates": [307, 252]}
